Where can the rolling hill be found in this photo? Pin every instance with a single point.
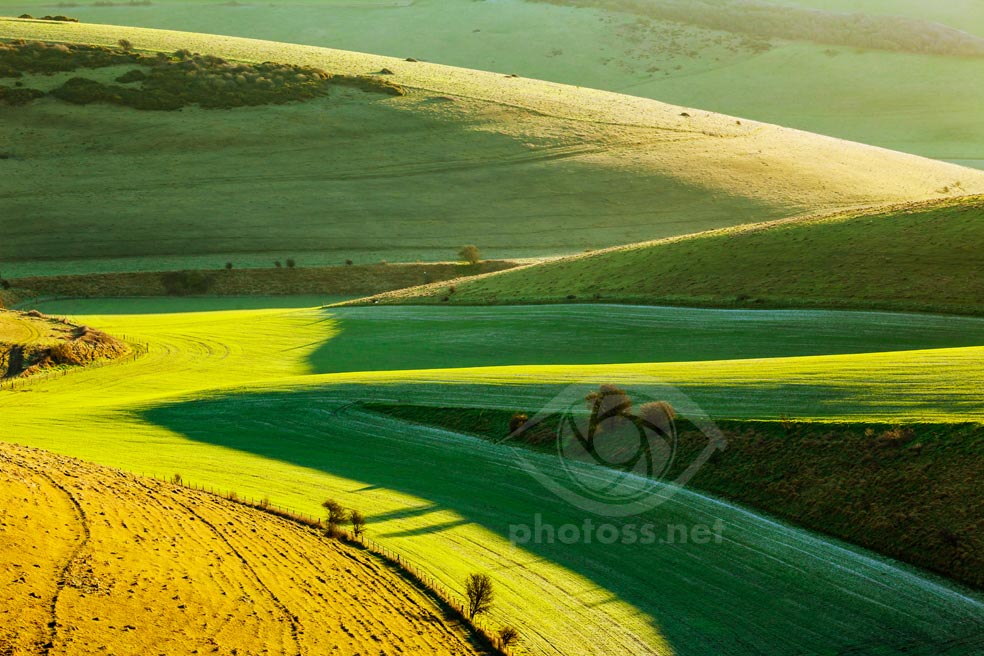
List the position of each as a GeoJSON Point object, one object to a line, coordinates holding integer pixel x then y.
{"type": "Point", "coordinates": [916, 257]}
{"type": "Point", "coordinates": [517, 166]}
{"type": "Point", "coordinates": [887, 94]}
{"type": "Point", "coordinates": [136, 565]}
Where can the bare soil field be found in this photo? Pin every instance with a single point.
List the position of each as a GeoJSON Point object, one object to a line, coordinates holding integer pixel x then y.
{"type": "Point", "coordinates": [99, 560]}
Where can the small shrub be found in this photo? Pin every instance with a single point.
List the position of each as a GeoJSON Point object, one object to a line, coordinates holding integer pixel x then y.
{"type": "Point", "coordinates": [349, 263]}
{"type": "Point", "coordinates": [228, 266]}
{"type": "Point", "coordinates": [136, 75]}
{"type": "Point", "coordinates": [291, 263]}
{"type": "Point", "coordinates": [176, 479]}
{"type": "Point", "coordinates": [897, 435]}
{"type": "Point", "coordinates": [517, 422]}
{"type": "Point", "coordinates": [125, 45]}
{"type": "Point", "coordinates": [278, 264]}
{"type": "Point", "coordinates": [508, 636]}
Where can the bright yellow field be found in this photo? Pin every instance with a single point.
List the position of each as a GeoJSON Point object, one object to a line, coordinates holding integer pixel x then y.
{"type": "Point", "coordinates": [138, 566]}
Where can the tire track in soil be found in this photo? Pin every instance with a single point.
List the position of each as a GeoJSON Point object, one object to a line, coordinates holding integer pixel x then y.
{"type": "Point", "coordinates": [291, 618]}
{"type": "Point", "coordinates": [63, 576]}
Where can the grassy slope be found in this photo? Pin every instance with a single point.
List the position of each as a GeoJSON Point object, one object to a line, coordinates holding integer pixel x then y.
{"type": "Point", "coordinates": [858, 482]}
{"type": "Point", "coordinates": [133, 565]}
{"type": "Point", "coordinates": [187, 406]}
{"type": "Point", "coordinates": [517, 166]}
{"type": "Point", "coordinates": [883, 98]}
{"type": "Point", "coordinates": [920, 257]}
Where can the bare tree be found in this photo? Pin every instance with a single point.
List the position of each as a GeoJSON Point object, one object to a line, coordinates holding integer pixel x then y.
{"type": "Point", "coordinates": [478, 588]}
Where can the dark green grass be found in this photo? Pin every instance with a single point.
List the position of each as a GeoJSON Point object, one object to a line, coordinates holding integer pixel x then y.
{"type": "Point", "coordinates": [909, 492]}
{"type": "Point", "coordinates": [392, 338]}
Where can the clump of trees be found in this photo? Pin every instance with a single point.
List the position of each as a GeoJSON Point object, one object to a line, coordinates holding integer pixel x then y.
{"type": "Point", "coordinates": [339, 516]}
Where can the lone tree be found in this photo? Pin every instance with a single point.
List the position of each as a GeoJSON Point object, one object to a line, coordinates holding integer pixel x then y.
{"type": "Point", "coordinates": [337, 515]}
{"type": "Point", "coordinates": [228, 266]}
{"type": "Point", "coordinates": [478, 588]}
{"type": "Point", "coordinates": [125, 45]}
{"type": "Point", "coordinates": [470, 254]}
{"type": "Point", "coordinates": [291, 263]}
{"type": "Point", "coordinates": [358, 523]}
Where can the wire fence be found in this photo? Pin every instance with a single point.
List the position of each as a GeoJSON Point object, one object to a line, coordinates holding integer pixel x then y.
{"type": "Point", "coordinates": [443, 595]}
{"type": "Point", "coordinates": [21, 383]}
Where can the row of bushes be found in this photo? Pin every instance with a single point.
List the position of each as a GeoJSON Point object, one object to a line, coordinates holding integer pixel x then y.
{"type": "Point", "coordinates": [60, 18]}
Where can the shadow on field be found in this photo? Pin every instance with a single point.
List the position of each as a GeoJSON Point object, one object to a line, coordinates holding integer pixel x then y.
{"type": "Point", "coordinates": [408, 337]}
{"type": "Point", "coordinates": [699, 595]}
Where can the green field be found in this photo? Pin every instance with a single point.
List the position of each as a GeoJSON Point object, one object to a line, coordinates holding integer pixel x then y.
{"type": "Point", "coordinates": [920, 257]}
{"type": "Point", "coordinates": [232, 399]}
{"type": "Point", "coordinates": [916, 103]}
{"type": "Point", "coordinates": [519, 167]}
